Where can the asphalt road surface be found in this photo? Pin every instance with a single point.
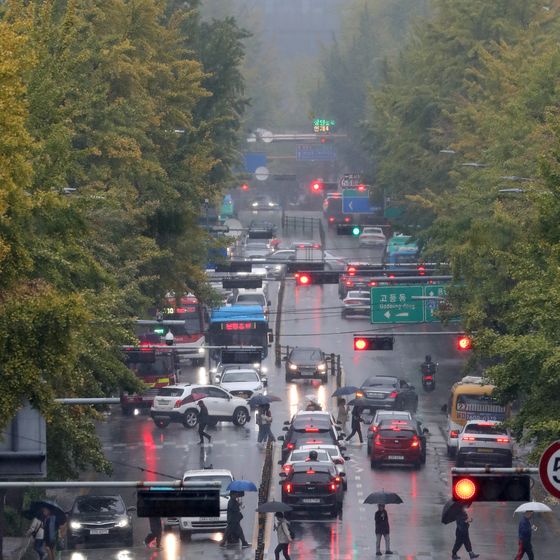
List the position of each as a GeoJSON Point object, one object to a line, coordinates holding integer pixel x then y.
{"type": "Point", "coordinates": [311, 317]}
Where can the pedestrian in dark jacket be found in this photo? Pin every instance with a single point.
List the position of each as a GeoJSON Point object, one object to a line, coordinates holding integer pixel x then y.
{"type": "Point", "coordinates": [356, 420]}
{"type": "Point", "coordinates": [203, 422]}
{"type": "Point", "coordinates": [234, 531]}
{"type": "Point", "coordinates": [462, 537]}
{"type": "Point", "coordinates": [525, 533]}
{"type": "Point", "coordinates": [382, 530]}
{"type": "Point", "coordinates": [155, 533]}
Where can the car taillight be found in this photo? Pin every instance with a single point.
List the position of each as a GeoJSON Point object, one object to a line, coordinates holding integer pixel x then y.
{"type": "Point", "coordinates": [428, 377]}
{"type": "Point", "coordinates": [415, 441]}
{"type": "Point", "coordinates": [332, 486]}
{"type": "Point", "coordinates": [393, 394]}
{"type": "Point", "coordinates": [331, 219]}
{"type": "Point", "coordinates": [468, 438]}
{"type": "Point", "coordinates": [453, 434]}
{"type": "Point", "coordinates": [287, 468]}
{"type": "Point", "coordinates": [378, 439]}
{"type": "Point", "coordinates": [349, 283]}
{"type": "Point", "coordinates": [347, 219]}
{"type": "Point", "coordinates": [372, 283]}
{"type": "Point", "coordinates": [311, 429]}
{"type": "Point", "coordinates": [178, 403]}
{"type": "Point", "coordinates": [290, 445]}
{"type": "Point", "coordinates": [351, 271]}
{"type": "Point", "coordinates": [503, 440]}
{"type": "Point", "coordinates": [288, 487]}
{"type": "Point", "coordinates": [373, 429]}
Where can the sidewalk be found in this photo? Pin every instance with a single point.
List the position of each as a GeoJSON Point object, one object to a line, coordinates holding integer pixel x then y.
{"type": "Point", "coordinates": [15, 547]}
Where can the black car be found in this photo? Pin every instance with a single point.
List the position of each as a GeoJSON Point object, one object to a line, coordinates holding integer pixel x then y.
{"type": "Point", "coordinates": [259, 229]}
{"type": "Point", "coordinates": [306, 363]}
{"type": "Point", "coordinates": [95, 519]}
{"type": "Point", "coordinates": [308, 432]}
{"type": "Point", "coordinates": [313, 487]}
{"type": "Point", "coordinates": [390, 393]}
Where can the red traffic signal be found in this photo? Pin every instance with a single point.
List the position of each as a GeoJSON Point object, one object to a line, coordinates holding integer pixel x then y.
{"type": "Point", "coordinates": [360, 344]}
{"type": "Point", "coordinates": [377, 342]}
{"type": "Point", "coordinates": [361, 187]}
{"type": "Point", "coordinates": [303, 279]}
{"type": "Point", "coordinates": [503, 487]}
{"type": "Point", "coordinates": [316, 186]}
{"type": "Point", "coordinates": [464, 342]}
{"type": "Point", "coordinates": [244, 187]}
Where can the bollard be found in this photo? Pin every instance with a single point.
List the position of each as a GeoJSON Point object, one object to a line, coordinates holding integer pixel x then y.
{"type": "Point", "coordinates": [333, 364]}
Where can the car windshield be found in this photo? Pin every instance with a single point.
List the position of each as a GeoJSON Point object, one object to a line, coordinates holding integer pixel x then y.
{"type": "Point", "coordinates": [303, 454]}
{"type": "Point", "coordinates": [250, 298]}
{"type": "Point", "coordinates": [388, 416]}
{"type": "Point", "coordinates": [170, 392]}
{"type": "Point", "coordinates": [233, 376]}
{"type": "Point", "coordinates": [488, 429]}
{"type": "Point", "coordinates": [99, 504]}
{"type": "Point", "coordinates": [306, 355]}
{"type": "Point", "coordinates": [162, 365]}
{"type": "Point", "coordinates": [310, 476]}
{"type": "Point", "coordinates": [381, 382]}
{"type": "Point", "coordinates": [396, 433]}
{"type": "Point", "coordinates": [224, 480]}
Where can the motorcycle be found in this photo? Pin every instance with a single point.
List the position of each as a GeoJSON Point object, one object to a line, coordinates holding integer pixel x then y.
{"type": "Point", "coordinates": [428, 371]}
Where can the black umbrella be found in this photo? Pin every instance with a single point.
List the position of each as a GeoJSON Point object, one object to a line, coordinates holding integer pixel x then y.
{"type": "Point", "coordinates": [346, 390]}
{"type": "Point", "coordinates": [259, 400]}
{"type": "Point", "coordinates": [36, 507]}
{"type": "Point", "coordinates": [273, 507]}
{"type": "Point", "coordinates": [383, 498]}
{"type": "Point", "coordinates": [451, 511]}
{"type": "Point", "coordinates": [359, 402]}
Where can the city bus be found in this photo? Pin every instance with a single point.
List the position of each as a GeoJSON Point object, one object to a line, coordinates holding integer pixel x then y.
{"type": "Point", "coordinates": [239, 325]}
{"type": "Point", "coordinates": [471, 399]}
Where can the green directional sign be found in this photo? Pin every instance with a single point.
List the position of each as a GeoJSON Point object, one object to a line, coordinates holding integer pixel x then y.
{"type": "Point", "coordinates": [396, 304]}
{"type": "Point", "coordinates": [431, 305]}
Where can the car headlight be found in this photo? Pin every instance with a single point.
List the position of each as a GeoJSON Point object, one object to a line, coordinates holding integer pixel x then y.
{"type": "Point", "coordinates": [75, 525]}
{"type": "Point", "coordinates": [201, 350]}
{"type": "Point", "coordinates": [255, 204]}
{"type": "Point", "coordinates": [322, 367]}
{"type": "Point", "coordinates": [264, 369]}
{"type": "Point", "coordinates": [256, 365]}
{"type": "Point", "coordinates": [271, 203]}
{"type": "Point", "coordinates": [293, 367]}
{"type": "Point", "coordinates": [122, 522]}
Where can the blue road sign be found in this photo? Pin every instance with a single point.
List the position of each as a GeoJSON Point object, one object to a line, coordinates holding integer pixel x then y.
{"type": "Point", "coordinates": [357, 202]}
{"type": "Point", "coordinates": [254, 160]}
{"type": "Point", "coordinates": [315, 152]}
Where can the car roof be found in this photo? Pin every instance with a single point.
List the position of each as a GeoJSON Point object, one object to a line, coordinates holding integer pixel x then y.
{"type": "Point", "coordinates": [319, 446]}
{"type": "Point", "coordinates": [306, 348]}
{"type": "Point", "coordinates": [208, 472]}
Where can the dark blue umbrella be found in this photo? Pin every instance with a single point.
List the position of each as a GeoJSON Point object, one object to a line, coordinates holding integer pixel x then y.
{"type": "Point", "coordinates": [259, 400]}
{"type": "Point", "coordinates": [242, 486]}
{"type": "Point", "coordinates": [346, 390]}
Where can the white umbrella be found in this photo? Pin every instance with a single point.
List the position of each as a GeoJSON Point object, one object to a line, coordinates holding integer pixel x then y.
{"type": "Point", "coordinates": [532, 506]}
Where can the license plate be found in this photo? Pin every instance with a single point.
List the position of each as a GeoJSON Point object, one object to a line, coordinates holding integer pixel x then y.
{"type": "Point", "coordinates": [307, 373]}
{"type": "Point", "coordinates": [311, 500]}
{"type": "Point", "coordinates": [99, 531]}
{"type": "Point", "coordinates": [396, 458]}
{"type": "Point", "coordinates": [209, 519]}
{"type": "Point", "coordinates": [375, 395]}
{"type": "Point", "coordinates": [484, 450]}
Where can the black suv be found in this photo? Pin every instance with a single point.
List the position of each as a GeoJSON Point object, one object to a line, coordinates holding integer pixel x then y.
{"type": "Point", "coordinates": [306, 363]}
{"type": "Point", "coordinates": [313, 487]}
{"type": "Point", "coordinates": [309, 429]}
{"type": "Point", "coordinates": [99, 519]}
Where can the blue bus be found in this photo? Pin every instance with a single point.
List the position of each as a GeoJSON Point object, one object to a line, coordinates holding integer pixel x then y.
{"type": "Point", "coordinates": [239, 325]}
{"type": "Point", "coordinates": [401, 249]}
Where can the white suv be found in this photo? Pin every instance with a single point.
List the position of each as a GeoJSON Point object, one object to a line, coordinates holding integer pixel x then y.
{"type": "Point", "coordinates": [175, 403]}
{"type": "Point", "coordinates": [243, 382]}
{"type": "Point", "coordinates": [189, 525]}
{"type": "Point", "coordinates": [484, 442]}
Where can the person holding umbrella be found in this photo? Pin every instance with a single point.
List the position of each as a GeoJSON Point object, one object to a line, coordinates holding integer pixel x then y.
{"type": "Point", "coordinates": [282, 529]}
{"type": "Point", "coordinates": [234, 531]}
{"type": "Point", "coordinates": [462, 537]}
{"type": "Point", "coordinates": [265, 433]}
{"type": "Point", "coordinates": [525, 533]}
{"type": "Point", "coordinates": [203, 422]}
{"type": "Point", "coordinates": [37, 531]}
{"type": "Point", "coordinates": [382, 530]}
{"type": "Point", "coordinates": [355, 425]}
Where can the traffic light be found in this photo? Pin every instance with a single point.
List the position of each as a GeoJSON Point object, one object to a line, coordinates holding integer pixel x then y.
{"type": "Point", "coordinates": [303, 279]}
{"type": "Point", "coordinates": [361, 187]}
{"type": "Point", "coordinates": [363, 343]}
{"type": "Point", "coordinates": [491, 488]}
{"type": "Point", "coordinates": [245, 187]}
{"type": "Point", "coordinates": [179, 502]}
{"type": "Point", "coordinates": [464, 342]}
{"type": "Point", "coordinates": [348, 229]}
{"type": "Point", "coordinates": [316, 277]}
{"type": "Point", "coordinates": [316, 186]}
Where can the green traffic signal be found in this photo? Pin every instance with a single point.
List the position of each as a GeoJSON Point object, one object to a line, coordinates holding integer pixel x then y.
{"type": "Point", "coordinates": [159, 330]}
{"type": "Point", "coordinates": [356, 230]}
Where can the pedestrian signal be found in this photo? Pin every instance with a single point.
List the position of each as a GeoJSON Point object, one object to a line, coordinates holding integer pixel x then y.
{"type": "Point", "coordinates": [363, 343]}
{"type": "Point", "coordinates": [491, 488]}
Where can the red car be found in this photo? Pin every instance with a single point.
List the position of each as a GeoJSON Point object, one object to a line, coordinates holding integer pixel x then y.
{"type": "Point", "coordinates": [397, 443]}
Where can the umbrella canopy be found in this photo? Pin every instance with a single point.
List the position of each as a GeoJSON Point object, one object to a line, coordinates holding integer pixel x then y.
{"type": "Point", "coordinates": [259, 400]}
{"type": "Point", "coordinates": [273, 507]}
{"type": "Point", "coordinates": [36, 507]}
{"type": "Point", "coordinates": [533, 506]}
{"type": "Point", "coordinates": [383, 498]}
{"type": "Point", "coordinates": [242, 486]}
{"type": "Point", "coordinates": [346, 390]}
{"type": "Point", "coordinates": [451, 511]}
{"type": "Point", "coordinates": [359, 402]}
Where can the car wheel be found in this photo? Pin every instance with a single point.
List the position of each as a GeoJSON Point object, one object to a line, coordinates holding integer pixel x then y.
{"type": "Point", "coordinates": [190, 418]}
{"type": "Point", "coordinates": [345, 485]}
{"type": "Point", "coordinates": [240, 416]}
{"type": "Point", "coordinates": [373, 464]}
{"type": "Point", "coordinates": [451, 451]}
{"type": "Point", "coordinates": [368, 453]}
{"type": "Point", "coordinates": [161, 424]}
{"type": "Point", "coordinates": [185, 535]}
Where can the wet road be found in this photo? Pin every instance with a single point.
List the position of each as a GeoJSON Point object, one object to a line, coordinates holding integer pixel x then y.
{"type": "Point", "coordinates": [311, 317]}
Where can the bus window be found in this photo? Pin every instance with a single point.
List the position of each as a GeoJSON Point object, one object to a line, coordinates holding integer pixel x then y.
{"type": "Point", "coordinates": [474, 407]}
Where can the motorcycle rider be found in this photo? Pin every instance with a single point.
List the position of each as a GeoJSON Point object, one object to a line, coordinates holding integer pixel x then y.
{"type": "Point", "coordinates": [428, 367]}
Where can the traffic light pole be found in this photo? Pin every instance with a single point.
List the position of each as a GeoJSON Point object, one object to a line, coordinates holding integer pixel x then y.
{"type": "Point", "coordinates": [96, 484]}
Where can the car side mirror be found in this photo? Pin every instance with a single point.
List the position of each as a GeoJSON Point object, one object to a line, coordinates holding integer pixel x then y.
{"type": "Point", "coordinates": [280, 438]}
{"type": "Point", "coordinates": [286, 422]}
{"type": "Point", "coordinates": [282, 475]}
{"type": "Point", "coordinates": [342, 474]}
{"type": "Point", "coordinates": [280, 462]}
{"type": "Point", "coordinates": [280, 482]}
{"type": "Point", "coordinates": [270, 337]}
{"type": "Point", "coordinates": [284, 358]}
{"type": "Point", "coordinates": [285, 428]}
{"type": "Point", "coordinates": [131, 509]}
{"type": "Point", "coordinates": [342, 448]}
{"type": "Point", "coordinates": [346, 457]}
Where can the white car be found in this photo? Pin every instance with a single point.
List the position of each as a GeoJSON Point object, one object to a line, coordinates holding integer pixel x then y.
{"type": "Point", "coordinates": [241, 382]}
{"type": "Point", "coordinates": [372, 236]}
{"type": "Point", "coordinates": [357, 303]}
{"type": "Point", "coordinates": [484, 442]}
{"type": "Point", "coordinates": [335, 454]}
{"type": "Point", "coordinates": [178, 403]}
{"type": "Point", "coordinates": [189, 525]}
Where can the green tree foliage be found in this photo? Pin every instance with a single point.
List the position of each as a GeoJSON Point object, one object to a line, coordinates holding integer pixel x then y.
{"type": "Point", "coordinates": [136, 105]}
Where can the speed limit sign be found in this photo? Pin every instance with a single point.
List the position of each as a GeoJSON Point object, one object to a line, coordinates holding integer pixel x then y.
{"type": "Point", "coordinates": [549, 469]}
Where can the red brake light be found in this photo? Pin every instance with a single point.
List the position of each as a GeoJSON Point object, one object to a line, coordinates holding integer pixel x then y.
{"type": "Point", "coordinates": [428, 377]}
{"type": "Point", "coordinates": [349, 283]}
{"type": "Point", "coordinates": [178, 403]}
{"type": "Point", "coordinates": [331, 219]}
{"type": "Point", "coordinates": [310, 471]}
{"type": "Point", "coordinates": [378, 439]}
{"type": "Point", "coordinates": [311, 429]}
{"type": "Point", "coordinates": [421, 271]}
{"type": "Point", "coordinates": [346, 219]}
{"type": "Point", "coordinates": [287, 468]}
{"type": "Point", "coordinates": [288, 487]}
{"type": "Point", "coordinates": [351, 270]}
{"type": "Point", "coordinates": [415, 441]}
{"type": "Point", "coordinates": [468, 438]}
{"type": "Point", "coordinates": [395, 429]}
{"type": "Point", "coordinates": [503, 440]}
{"type": "Point", "coordinates": [290, 445]}
{"type": "Point", "coordinates": [393, 395]}
{"type": "Point", "coordinates": [373, 428]}
{"type": "Point", "coordinates": [333, 487]}
{"type": "Point", "coordinates": [372, 283]}
{"type": "Point", "coordinates": [453, 434]}
{"type": "Point", "coordinates": [244, 187]}
{"type": "Point", "coordinates": [316, 246]}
